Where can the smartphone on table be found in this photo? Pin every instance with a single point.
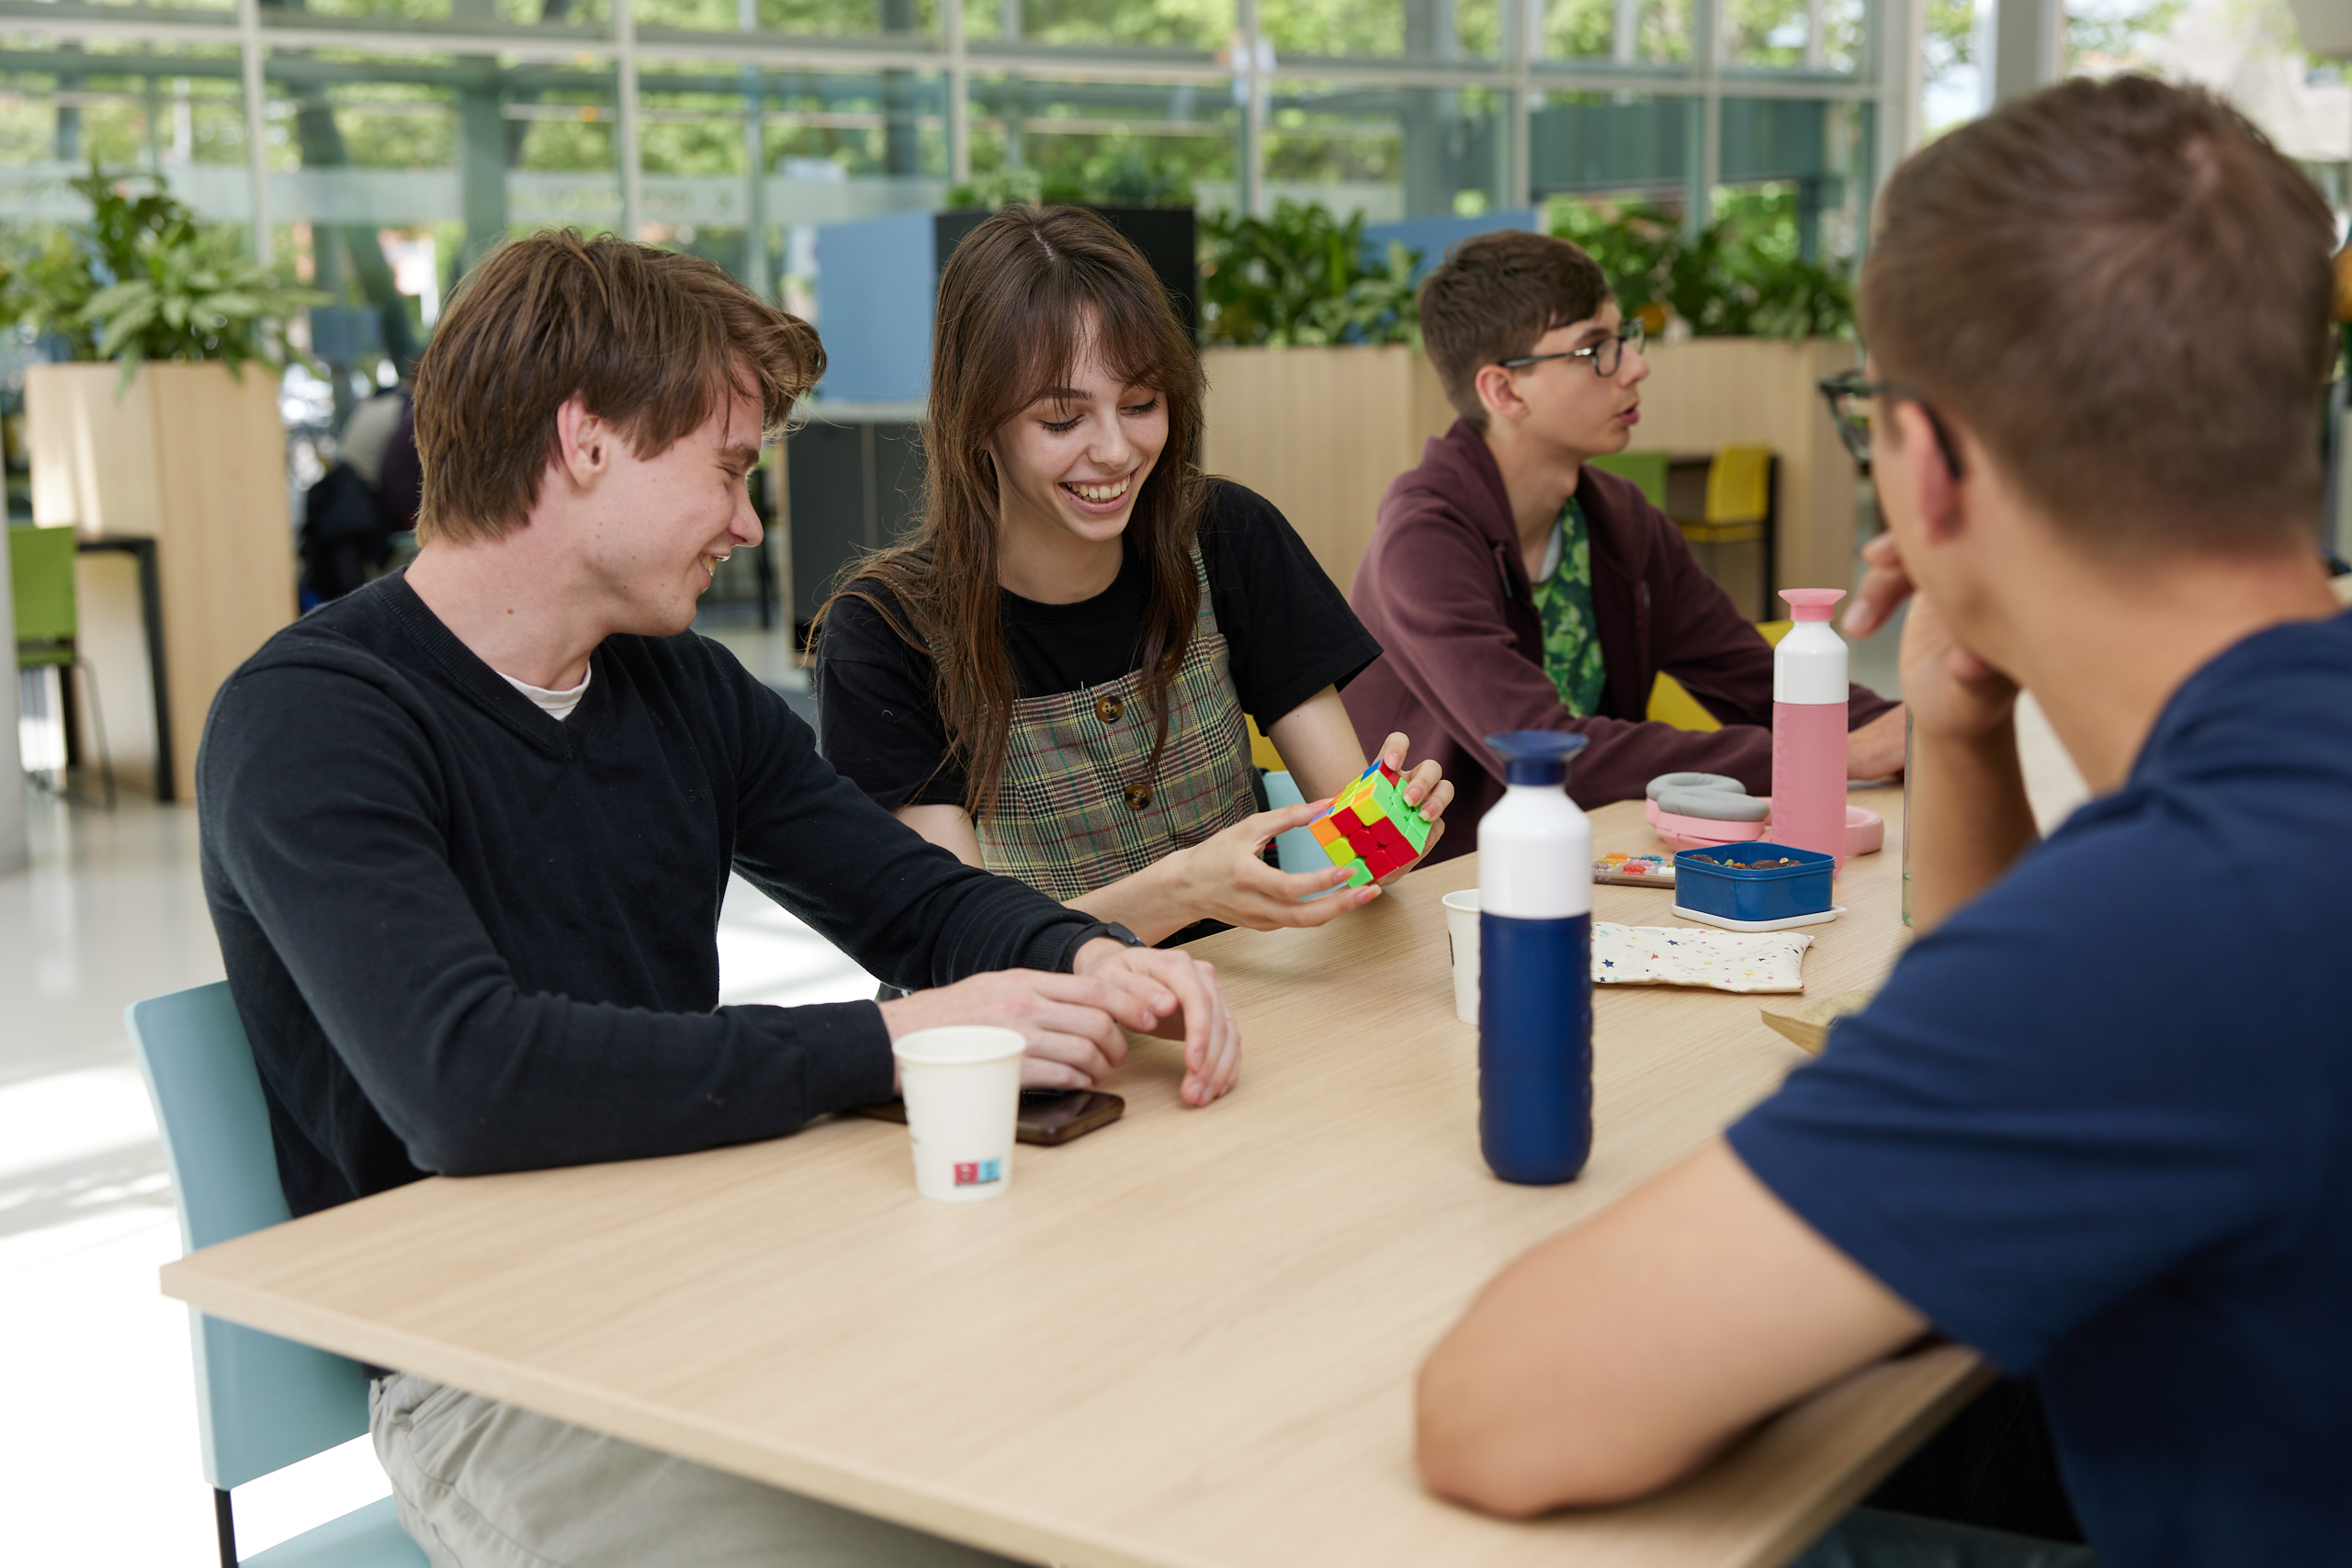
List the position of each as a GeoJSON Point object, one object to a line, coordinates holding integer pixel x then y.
{"type": "Point", "coordinates": [1047, 1116]}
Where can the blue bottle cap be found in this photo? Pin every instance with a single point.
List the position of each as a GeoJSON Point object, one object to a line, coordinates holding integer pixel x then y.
{"type": "Point", "coordinates": [1536, 756]}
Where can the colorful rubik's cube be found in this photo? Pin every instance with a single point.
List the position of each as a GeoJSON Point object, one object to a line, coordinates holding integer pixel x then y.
{"type": "Point", "coordinates": [1370, 829]}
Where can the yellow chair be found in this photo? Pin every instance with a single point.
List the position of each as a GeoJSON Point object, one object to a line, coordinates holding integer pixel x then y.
{"type": "Point", "coordinates": [1740, 508]}
{"type": "Point", "coordinates": [1263, 754]}
{"type": "Point", "coordinates": [1739, 486]}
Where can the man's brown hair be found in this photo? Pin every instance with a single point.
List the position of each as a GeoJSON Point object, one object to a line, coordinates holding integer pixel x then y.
{"type": "Point", "coordinates": [1494, 295]}
{"type": "Point", "coordinates": [2123, 290]}
{"type": "Point", "coordinates": [651, 341]}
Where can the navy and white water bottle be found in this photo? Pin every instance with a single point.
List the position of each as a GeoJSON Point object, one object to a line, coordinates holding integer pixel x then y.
{"type": "Point", "coordinates": [1535, 967]}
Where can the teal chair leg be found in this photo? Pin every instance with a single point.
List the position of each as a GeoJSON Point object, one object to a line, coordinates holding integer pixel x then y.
{"type": "Point", "coordinates": [262, 1403]}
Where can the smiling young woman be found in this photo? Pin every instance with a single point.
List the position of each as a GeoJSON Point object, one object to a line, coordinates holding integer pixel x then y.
{"type": "Point", "coordinates": [1050, 678]}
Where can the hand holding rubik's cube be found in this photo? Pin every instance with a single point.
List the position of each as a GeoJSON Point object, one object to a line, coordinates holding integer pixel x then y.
{"type": "Point", "coordinates": [1371, 829]}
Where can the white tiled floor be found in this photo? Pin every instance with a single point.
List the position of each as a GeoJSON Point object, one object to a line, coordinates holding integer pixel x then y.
{"type": "Point", "coordinates": [97, 1446]}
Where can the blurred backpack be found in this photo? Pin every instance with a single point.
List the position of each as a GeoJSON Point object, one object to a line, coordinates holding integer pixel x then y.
{"type": "Point", "coordinates": [343, 534]}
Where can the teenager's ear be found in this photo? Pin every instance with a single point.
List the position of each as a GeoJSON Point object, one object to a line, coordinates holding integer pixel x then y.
{"type": "Point", "coordinates": [1499, 393]}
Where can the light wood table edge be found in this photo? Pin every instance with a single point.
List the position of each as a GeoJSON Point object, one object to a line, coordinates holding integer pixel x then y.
{"type": "Point", "coordinates": [1946, 1377]}
{"type": "Point", "coordinates": [856, 1487]}
{"type": "Point", "coordinates": [1905, 1400]}
{"type": "Point", "coordinates": [1933, 1382]}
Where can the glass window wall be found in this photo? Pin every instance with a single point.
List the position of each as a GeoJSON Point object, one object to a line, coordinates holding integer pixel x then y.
{"type": "Point", "coordinates": [398, 139]}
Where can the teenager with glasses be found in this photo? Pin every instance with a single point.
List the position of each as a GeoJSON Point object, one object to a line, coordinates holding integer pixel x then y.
{"type": "Point", "coordinates": [1513, 586]}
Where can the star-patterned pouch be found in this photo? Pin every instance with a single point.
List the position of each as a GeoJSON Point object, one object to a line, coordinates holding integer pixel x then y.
{"type": "Point", "coordinates": [1686, 955]}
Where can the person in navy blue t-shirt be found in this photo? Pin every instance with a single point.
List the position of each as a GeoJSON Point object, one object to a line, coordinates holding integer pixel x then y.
{"type": "Point", "coordinates": [2098, 1123]}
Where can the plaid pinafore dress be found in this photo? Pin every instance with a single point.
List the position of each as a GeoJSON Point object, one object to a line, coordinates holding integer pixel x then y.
{"type": "Point", "coordinates": [1076, 811]}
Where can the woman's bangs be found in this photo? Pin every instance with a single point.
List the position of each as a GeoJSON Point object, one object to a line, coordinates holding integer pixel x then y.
{"type": "Point", "coordinates": [1066, 321]}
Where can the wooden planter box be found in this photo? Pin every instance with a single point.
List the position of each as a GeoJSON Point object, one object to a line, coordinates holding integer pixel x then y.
{"type": "Point", "coordinates": [1321, 432]}
{"type": "Point", "coordinates": [195, 459]}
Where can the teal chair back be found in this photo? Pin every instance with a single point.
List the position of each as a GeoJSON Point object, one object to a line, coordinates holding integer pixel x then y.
{"type": "Point", "coordinates": [262, 1403]}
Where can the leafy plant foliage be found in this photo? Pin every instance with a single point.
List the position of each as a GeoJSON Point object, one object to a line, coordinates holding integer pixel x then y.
{"type": "Point", "coordinates": [1128, 182]}
{"type": "Point", "coordinates": [1741, 276]}
{"type": "Point", "coordinates": [1301, 277]}
{"type": "Point", "coordinates": [145, 279]}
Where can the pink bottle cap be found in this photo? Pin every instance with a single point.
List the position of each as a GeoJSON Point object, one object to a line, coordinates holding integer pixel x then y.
{"type": "Point", "coordinates": [1812, 604]}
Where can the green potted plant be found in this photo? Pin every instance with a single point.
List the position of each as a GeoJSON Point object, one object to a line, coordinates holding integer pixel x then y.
{"type": "Point", "coordinates": [145, 279]}
{"type": "Point", "coordinates": [152, 430]}
{"type": "Point", "coordinates": [1301, 278]}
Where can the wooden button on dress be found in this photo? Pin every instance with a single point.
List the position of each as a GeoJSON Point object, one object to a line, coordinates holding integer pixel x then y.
{"type": "Point", "coordinates": [1138, 797]}
{"type": "Point", "coordinates": [1108, 708]}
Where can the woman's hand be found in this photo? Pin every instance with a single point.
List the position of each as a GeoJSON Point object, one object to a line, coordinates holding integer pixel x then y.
{"type": "Point", "coordinates": [1427, 787]}
{"type": "Point", "coordinates": [1224, 879]}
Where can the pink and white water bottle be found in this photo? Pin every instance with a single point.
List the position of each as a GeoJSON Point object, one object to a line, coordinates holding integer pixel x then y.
{"type": "Point", "coordinates": [1809, 727]}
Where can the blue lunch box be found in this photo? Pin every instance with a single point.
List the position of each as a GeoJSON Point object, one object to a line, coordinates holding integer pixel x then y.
{"type": "Point", "coordinates": [1725, 881]}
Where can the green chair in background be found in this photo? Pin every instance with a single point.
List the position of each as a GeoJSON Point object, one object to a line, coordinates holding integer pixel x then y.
{"type": "Point", "coordinates": [40, 573]}
{"type": "Point", "coordinates": [1646, 470]}
{"type": "Point", "coordinates": [262, 1403]}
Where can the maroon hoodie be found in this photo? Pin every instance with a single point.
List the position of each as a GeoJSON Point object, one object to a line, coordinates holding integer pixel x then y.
{"type": "Point", "coordinates": [1444, 590]}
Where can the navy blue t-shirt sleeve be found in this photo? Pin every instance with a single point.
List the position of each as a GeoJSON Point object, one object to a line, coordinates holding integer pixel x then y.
{"type": "Point", "coordinates": [2052, 1104]}
{"type": "Point", "coordinates": [1288, 629]}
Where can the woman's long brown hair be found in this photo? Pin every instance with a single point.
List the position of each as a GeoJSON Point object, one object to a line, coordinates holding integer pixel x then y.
{"type": "Point", "coordinates": [1025, 294]}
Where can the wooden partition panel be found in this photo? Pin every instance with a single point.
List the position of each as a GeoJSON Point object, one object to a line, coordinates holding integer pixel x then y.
{"type": "Point", "coordinates": [195, 459]}
{"type": "Point", "coordinates": [1321, 432]}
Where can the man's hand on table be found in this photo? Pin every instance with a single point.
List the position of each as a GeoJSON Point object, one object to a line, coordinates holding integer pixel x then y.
{"type": "Point", "coordinates": [1185, 1002]}
{"type": "Point", "coordinates": [1074, 1022]}
{"type": "Point", "coordinates": [1875, 750]}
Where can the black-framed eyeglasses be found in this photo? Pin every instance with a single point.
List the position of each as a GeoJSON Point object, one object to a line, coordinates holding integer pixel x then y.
{"type": "Point", "coordinates": [1850, 397]}
{"type": "Point", "coordinates": [1606, 354]}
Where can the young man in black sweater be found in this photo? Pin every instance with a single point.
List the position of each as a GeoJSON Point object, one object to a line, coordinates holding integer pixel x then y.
{"type": "Point", "coordinates": [466, 834]}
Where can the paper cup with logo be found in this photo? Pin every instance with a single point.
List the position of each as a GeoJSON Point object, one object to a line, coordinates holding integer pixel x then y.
{"type": "Point", "coordinates": [962, 1086]}
{"type": "Point", "coordinates": [1462, 935]}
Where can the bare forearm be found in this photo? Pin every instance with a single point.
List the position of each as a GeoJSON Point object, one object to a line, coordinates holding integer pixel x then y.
{"type": "Point", "coordinates": [1969, 819]}
{"type": "Point", "coordinates": [1155, 903]}
{"type": "Point", "coordinates": [1614, 1359]}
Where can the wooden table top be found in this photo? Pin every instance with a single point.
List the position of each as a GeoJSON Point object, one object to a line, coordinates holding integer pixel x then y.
{"type": "Point", "coordinates": [1188, 1340]}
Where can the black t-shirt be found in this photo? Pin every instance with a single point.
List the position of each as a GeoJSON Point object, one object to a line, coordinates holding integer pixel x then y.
{"type": "Point", "coordinates": [1287, 628]}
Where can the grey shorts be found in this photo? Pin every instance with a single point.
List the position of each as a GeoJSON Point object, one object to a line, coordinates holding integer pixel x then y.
{"type": "Point", "coordinates": [482, 1485]}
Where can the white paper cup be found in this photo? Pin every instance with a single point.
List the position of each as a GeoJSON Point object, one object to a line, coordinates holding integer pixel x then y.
{"type": "Point", "coordinates": [1462, 935]}
{"type": "Point", "coordinates": [962, 1086]}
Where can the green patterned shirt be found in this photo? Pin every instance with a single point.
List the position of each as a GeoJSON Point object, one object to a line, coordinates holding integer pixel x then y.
{"type": "Point", "coordinates": [1564, 602]}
